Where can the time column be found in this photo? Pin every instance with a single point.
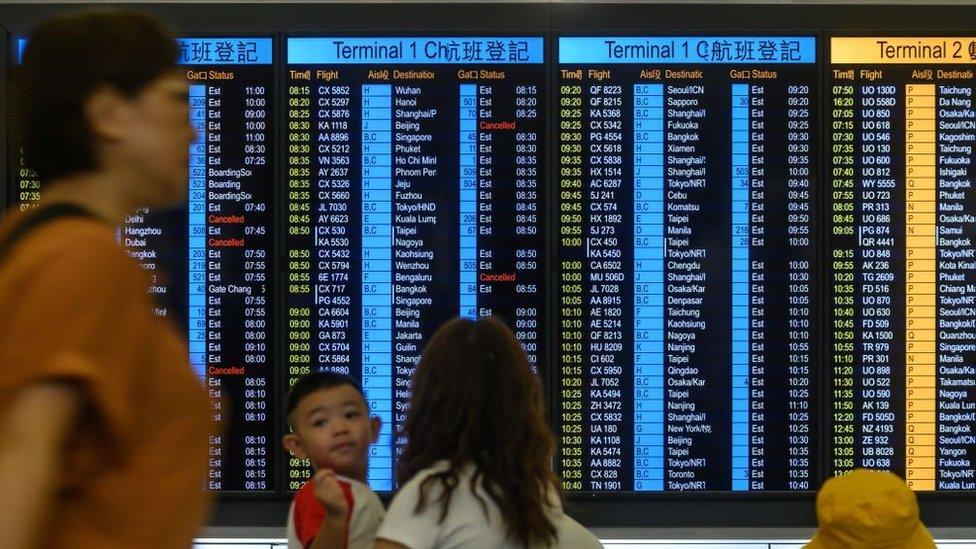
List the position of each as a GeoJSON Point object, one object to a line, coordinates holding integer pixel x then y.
{"type": "Point", "coordinates": [571, 283]}
{"type": "Point", "coordinates": [300, 246]}
{"type": "Point", "coordinates": [842, 275]}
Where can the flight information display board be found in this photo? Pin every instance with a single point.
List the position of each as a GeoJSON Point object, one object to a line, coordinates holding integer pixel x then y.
{"type": "Point", "coordinates": [229, 260]}
{"type": "Point", "coordinates": [414, 180]}
{"type": "Point", "coordinates": [210, 263]}
{"type": "Point", "coordinates": [347, 195]}
{"type": "Point", "coordinates": [687, 310]}
{"type": "Point", "coordinates": [902, 265]}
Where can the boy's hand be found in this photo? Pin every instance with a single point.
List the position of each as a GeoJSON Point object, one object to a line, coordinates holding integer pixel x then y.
{"type": "Point", "coordinates": [326, 487]}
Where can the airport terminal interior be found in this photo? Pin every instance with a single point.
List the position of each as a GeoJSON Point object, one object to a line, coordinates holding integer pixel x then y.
{"type": "Point", "coordinates": [736, 241]}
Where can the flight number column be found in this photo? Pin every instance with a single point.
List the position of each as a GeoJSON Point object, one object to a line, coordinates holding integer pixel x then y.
{"type": "Point", "coordinates": [876, 280]}
{"type": "Point", "coordinates": [605, 236]}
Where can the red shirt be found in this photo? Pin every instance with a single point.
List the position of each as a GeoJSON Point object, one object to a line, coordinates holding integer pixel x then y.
{"type": "Point", "coordinates": [365, 516]}
{"type": "Point", "coordinates": [308, 513]}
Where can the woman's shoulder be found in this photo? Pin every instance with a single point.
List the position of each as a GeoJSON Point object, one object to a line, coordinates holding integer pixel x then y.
{"type": "Point", "coordinates": [416, 481]}
{"type": "Point", "coordinates": [573, 535]}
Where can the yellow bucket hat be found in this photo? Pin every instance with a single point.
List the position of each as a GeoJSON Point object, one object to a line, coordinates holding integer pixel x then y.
{"type": "Point", "coordinates": [869, 510]}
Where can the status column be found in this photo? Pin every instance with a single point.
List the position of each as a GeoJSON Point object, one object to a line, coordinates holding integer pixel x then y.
{"type": "Point", "coordinates": [377, 273]}
{"type": "Point", "coordinates": [648, 287]}
{"type": "Point", "coordinates": [920, 286]}
{"type": "Point", "coordinates": [740, 286]}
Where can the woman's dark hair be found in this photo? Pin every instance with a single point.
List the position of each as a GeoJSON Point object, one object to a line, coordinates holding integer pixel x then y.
{"type": "Point", "coordinates": [66, 59]}
{"type": "Point", "coordinates": [476, 401]}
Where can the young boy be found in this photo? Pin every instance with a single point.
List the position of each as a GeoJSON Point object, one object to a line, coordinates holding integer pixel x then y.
{"type": "Point", "coordinates": [331, 426]}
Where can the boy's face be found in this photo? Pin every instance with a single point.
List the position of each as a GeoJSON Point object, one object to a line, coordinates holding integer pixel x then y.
{"type": "Point", "coordinates": [333, 429]}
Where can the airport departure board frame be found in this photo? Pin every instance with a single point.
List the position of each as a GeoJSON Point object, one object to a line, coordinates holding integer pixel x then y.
{"type": "Point", "coordinates": [380, 99]}
{"type": "Point", "coordinates": [687, 241]}
{"type": "Point", "coordinates": [551, 21]}
{"type": "Point", "coordinates": [901, 141]}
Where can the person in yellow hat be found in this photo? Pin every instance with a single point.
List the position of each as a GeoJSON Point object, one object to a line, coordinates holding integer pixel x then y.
{"type": "Point", "coordinates": [869, 510]}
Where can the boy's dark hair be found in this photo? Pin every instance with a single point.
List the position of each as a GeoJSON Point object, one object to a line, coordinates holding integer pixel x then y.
{"type": "Point", "coordinates": [317, 381]}
{"type": "Point", "coordinates": [69, 57]}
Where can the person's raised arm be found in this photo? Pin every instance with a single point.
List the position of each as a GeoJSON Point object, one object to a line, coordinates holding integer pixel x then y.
{"type": "Point", "coordinates": [334, 530]}
{"type": "Point", "coordinates": [32, 434]}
